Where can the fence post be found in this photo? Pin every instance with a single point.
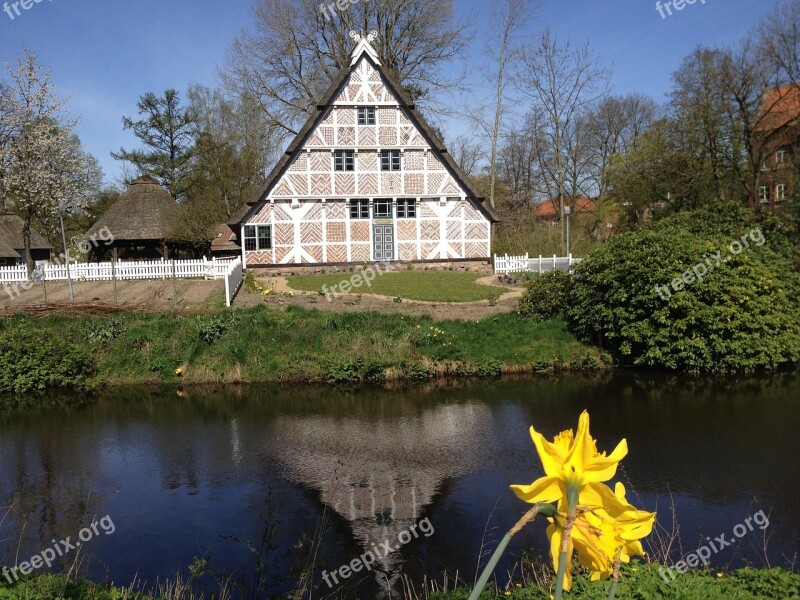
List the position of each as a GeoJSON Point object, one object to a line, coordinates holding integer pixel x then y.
{"type": "Point", "coordinates": [114, 272]}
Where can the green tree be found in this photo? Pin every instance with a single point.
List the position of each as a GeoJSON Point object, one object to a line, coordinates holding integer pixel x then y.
{"type": "Point", "coordinates": [167, 132]}
{"type": "Point", "coordinates": [739, 313]}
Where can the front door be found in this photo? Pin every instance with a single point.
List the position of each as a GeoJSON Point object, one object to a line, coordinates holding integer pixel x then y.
{"type": "Point", "coordinates": [383, 244]}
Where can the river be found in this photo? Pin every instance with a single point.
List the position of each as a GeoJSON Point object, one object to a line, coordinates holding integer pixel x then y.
{"type": "Point", "coordinates": [267, 483]}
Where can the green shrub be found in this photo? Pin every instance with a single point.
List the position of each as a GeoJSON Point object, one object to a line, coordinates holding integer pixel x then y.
{"type": "Point", "coordinates": [104, 331]}
{"type": "Point", "coordinates": [33, 362]}
{"type": "Point", "coordinates": [354, 372]}
{"type": "Point", "coordinates": [210, 329]}
{"type": "Point", "coordinates": [742, 315]}
{"type": "Point", "coordinates": [545, 296]}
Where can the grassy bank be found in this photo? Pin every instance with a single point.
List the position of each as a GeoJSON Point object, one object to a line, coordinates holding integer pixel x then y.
{"type": "Point", "coordinates": [644, 582]}
{"type": "Point", "coordinates": [639, 583]}
{"type": "Point", "coordinates": [263, 344]}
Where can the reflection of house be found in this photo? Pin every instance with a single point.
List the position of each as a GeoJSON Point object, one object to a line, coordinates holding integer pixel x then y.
{"type": "Point", "coordinates": [139, 223]}
{"type": "Point", "coordinates": [381, 474]}
{"type": "Point", "coordinates": [366, 179]}
{"type": "Point", "coordinates": [12, 244]}
{"type": "Point", "coordinates": [549, 209]}
{"type": "Point", "coordinates": [777, 133]}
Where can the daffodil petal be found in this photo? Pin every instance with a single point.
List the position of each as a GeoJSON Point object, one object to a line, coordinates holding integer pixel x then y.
{"type": "Point", "coordinates": [550, 454]}
{"type": "Point", "coordinates": [544, 489]}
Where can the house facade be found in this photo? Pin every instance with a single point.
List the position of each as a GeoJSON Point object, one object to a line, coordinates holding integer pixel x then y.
{"type": "Point", "coordinates": [366, 179]}
{"type": "Point", "coordinates": [777, 137]}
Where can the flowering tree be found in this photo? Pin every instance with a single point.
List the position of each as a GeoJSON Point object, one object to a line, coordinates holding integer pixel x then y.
{"type": "Point", "coordinates": [42, 165]}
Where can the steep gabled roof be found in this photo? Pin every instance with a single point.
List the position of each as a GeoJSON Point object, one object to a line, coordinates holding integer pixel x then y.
{"type": "Point", "coordinates": [780, 107]}
{"type": "Point", "coordinates": [145, 212]}
{"type": "Point", "coordinates": [549, 208]}
{"type": "Point", "coordinates": [224, 238]}
{"type": "Point", "coordinates": [11, 233]}
{"type": "Point", "coordinates": [363, 51]}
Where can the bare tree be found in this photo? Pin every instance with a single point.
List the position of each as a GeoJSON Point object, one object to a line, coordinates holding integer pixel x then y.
{"type": "Point", "coordinates": [508, 22]}
{"type": "Point", "coordinates": [720, 106]}
{"type": "Point", "coordinates": [563, 83]}
{"type": "Point", "coordinates": [778, 37]}
{"type": "Point", "coordinates": [614, 127]}
{"type": "Point", "coordinates": [296, 47]}
{"type": "Point", "coordinates": [466, 152]}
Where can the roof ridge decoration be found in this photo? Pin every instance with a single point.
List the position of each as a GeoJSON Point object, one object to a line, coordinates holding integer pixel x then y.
{"type": "Point", "coordinates": [364, 44]}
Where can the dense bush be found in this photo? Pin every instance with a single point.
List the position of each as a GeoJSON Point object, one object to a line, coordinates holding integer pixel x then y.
{"type": "Point", "coordinates": [31, 361]}
{"type": "Point", "coordinates": [742, 315]}
{"type": "Point", "coordinates": [545, 296]}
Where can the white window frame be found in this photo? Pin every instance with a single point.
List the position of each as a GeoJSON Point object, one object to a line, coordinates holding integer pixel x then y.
{"type": "Point", "coordinates": [256, 238]}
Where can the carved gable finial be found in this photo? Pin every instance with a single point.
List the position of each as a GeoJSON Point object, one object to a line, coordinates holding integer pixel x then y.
{"type": "Point", "coordinates": [364, 44]}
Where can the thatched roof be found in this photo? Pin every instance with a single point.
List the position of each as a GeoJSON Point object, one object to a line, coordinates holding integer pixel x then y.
{"type": "Point", "coordinates": [7, 251]}
{"type": "Point", "coordinates": [11, 236]}
{"type": "Point", "coordinates": [145, 212]}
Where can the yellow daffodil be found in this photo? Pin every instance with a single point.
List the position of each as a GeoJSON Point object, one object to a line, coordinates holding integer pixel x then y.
{"type": "Point", "coordinates": [572, 461]}
{"type": "Point", "coordinates": [606, 527]}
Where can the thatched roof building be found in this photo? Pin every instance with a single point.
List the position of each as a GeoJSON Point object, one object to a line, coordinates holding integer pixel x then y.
{"type": "Point", "coordinates": [140, 223]}
{"type": "Point", "coordinates": [12, 244]}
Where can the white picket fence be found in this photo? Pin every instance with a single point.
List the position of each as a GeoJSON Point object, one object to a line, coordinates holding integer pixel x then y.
{"type": "Point", "coordinates": [233, 280]}
{"type": "Point", "coordinates": [121, 271]}
{"type": "Point", "coordinates": [524, 264]}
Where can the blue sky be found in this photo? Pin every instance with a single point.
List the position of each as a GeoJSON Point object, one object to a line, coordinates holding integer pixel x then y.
{"type": "Point", "coordinates": [104, 54]}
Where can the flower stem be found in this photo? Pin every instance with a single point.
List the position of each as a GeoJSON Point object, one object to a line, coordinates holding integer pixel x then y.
{"type": "Point", "coordinates": [487, 571]}
{"type": "Point", "coordinates": [617, 566]}
{"type": "Point", "coordinates": [572, 505]}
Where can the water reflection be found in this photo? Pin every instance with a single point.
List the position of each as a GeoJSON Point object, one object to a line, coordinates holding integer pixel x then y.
{"type": "Point", "coordinates": [381, 474]}
{"type": "Point", "coordinates": [184, 476]}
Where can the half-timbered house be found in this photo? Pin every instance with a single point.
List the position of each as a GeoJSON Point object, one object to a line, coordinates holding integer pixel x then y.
{"type": "Point", "coordinates": [366, 179]}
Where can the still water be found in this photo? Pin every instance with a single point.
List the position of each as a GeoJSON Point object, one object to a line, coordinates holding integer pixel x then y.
{"type": "Point", "coordinates": [267, 483]}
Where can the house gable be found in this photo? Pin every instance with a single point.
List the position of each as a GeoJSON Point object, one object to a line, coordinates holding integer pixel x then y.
{"type": "Point", "coordinates": [307, 202]}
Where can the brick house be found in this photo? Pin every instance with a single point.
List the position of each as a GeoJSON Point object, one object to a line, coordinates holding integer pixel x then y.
{"type": "Point", "coordinates": [777, 135]}
{"type": "Point", "coordinates": [366, 179]}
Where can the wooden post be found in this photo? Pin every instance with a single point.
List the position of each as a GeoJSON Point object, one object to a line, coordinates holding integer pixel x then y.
{"type": "Point", "coordinates": [174, 283]}
{"type": "Point", "coordinates": [114, 271]}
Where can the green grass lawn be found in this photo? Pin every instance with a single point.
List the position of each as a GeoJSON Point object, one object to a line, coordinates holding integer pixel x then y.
{"type": "Point", "coordinates": [639, 582]}
{"type": "Point", "coordinates": [274, 344]}
{"type": "Point", "coordinates": [433, 286]}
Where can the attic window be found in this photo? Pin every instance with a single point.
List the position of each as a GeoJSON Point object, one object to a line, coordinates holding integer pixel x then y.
{"type": "Point", "coordinates": [366, 115]}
